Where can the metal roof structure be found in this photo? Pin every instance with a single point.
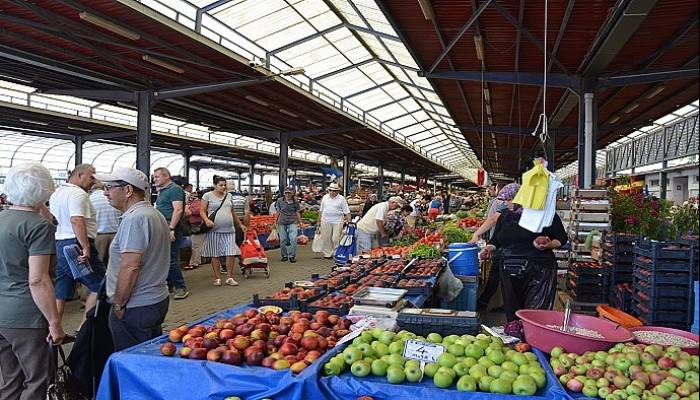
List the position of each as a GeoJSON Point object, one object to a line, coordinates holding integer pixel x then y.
{"type": "Point", "coordinates": [100, 49]}
{"type": "Point", "coordinates": [485, 60]}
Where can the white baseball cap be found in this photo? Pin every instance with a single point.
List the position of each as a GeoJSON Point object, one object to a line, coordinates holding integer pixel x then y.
{"type": "Point", "coordinates": [132, 176]}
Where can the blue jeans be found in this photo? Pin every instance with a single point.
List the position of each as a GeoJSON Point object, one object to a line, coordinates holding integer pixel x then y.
{"type": "Point", "coordinates": [65, 283]}
{"type": "Point", "coordinates": [175, 279]}
{"type": "Point", "coordinates": [288, 237]}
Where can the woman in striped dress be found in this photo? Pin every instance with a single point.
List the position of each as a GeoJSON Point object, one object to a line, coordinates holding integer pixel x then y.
{"type": "Point", "coordinates": [220, 239]}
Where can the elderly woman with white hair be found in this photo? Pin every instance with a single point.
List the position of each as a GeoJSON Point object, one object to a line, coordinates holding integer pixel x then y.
{"type": "Point", "coordinates": [28, 313]}
{"type": "Point", "coordinates": [334, 212]}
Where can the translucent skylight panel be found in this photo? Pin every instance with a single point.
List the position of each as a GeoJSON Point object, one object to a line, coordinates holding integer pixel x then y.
{"type": "Point", "coordinates": [374, 16]}
{"type": "Point", "coordinates": [375, 46]}
{"type": "Point", "coordinates": [250, 12]}
{"type": "Point", "coordinates": [401, 122]}
{"type": "Point", "coordinates": [377, 72]}
{"type": "Point", "coordinates": [372, 99]}
{"type": "Point", "coordinates": [388, 112]}
{"type": "Point", "coordinates": [281, 37]}
{"type": "Point", "coordinates": [398, 50]}
{"type": "Point", "coordinates": [419, 136]}
{"type": "Point", "coordinates": [349, 81]}
{"type": "Point", "coordinates": [349, 12]}
{"type": "Point", "coordinates": [410, 105]}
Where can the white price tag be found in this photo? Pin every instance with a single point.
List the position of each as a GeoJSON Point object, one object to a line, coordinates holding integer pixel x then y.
{"type": "Point", "coordinates": [422, 351]}
{"type": "Point", "coordinates": [350, 336]}
{"type": "Point", "coordinates": [356, 259]}
{"type": "Point", "coordinates": [395, 257]}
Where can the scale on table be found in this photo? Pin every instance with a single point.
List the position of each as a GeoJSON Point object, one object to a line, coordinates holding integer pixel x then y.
{"type": "Point", "coordinates": [378, 311]}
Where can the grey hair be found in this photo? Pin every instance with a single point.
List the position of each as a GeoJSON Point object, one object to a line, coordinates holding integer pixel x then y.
{"type": "Point", "coordinates": [28, 184]}
{"type": "Point", "coordinates": [81, 168]}
{"type": "Point", "coordinates": [162, 170]}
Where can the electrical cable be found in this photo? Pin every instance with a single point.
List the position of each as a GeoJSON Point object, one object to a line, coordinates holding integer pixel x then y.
{"type": "Point", "coordinates": [542, 119]}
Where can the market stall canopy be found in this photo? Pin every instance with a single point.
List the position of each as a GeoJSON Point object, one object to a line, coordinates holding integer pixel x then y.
{"type": "Point", "coordinates": [101, 49]}
{"type": "Point", "coordinates": [485, 60]}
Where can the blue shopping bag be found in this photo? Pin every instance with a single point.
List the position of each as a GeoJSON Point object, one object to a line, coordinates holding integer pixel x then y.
{"type": "Point", "coordinates": [77, 268]}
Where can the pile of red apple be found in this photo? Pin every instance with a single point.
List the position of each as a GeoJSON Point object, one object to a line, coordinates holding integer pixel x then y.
{"type": "Point", "coordinates": [300, 293]}
{"type": "Point", "coordinates": [331, 283]}
{"type": "Point", "coordinates": [390, 267]}
{"type": "Point", "coordinates": [409, 283]}
{"type": "Point", "coordinates": [278, 342]}
{"type": "Point", "coordinates": [426, 268]}
{"type": "Point", "coordinates": [335, 301]}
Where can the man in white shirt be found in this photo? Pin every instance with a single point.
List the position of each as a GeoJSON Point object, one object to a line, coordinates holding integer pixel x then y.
{"type": "Point", "coordinates": [415, 214]}
{"type": "Point", "coordinates": [371, 226]}
{"type": "Point", "coordinates": [334, 212]}
{"type": "Point", "coordinates": [77, 224]}
{"type": "Point", "coordinates": [107, 221]}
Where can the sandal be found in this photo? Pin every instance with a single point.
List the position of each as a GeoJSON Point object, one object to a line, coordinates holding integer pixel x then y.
{"type": "Point", "coordinates": [190, 267]}
{"type": "Point", "coordinates": [217, 282]}
{"type": "Point", "coordinates": [231, 282]}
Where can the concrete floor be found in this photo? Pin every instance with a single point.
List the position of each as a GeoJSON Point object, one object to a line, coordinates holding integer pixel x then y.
{"type": "Point", "coordinates": [206, 299]}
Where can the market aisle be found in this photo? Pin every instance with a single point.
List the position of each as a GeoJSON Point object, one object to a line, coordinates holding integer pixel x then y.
{"type": "Point", "coordinates": [206, 299]}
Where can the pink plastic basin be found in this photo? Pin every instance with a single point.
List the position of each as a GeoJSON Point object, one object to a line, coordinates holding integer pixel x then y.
{"type": "Point", "coordinates": [539, 335]}
{"type": "Point", "coordinates": [690, 350]}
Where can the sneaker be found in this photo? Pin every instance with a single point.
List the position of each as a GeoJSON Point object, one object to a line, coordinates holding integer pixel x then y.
{"type": "Point", "coordinates": [181, 293]}
{"type": "Point", "coordinates": [231, 282]}
{"type": "Point", "coordinates": [217, 282]}
{"type": "Point", "coordinates": [222, 270]}
{"type": "Point", "coordinates": [292, 260]}
{"type": "Point", "coordinates": [283, 259]}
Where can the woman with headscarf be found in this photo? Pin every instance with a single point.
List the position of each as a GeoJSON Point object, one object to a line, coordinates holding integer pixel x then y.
{"type": "Point", "coordinates": [524, 259]}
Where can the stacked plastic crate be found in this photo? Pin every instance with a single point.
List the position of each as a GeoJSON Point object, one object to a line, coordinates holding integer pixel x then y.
{"type": "Point", "coordinates": [588, 280]}
{"type": "Point", "coordinates": [618, 257]}
{"type": "Point", "coordinates": [663, 284]}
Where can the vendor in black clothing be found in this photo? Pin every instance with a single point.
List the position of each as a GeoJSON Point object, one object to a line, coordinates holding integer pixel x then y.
{"type": "Point", "coordinates": [527, 263]}
{"type": "Point", "coordinates": [371, 200]}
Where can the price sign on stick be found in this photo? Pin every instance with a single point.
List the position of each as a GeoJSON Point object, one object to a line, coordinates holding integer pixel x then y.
{"type": "Point", "coordinates": [350, 336]}
{"type": "Point", "coordinates": [423, 352]}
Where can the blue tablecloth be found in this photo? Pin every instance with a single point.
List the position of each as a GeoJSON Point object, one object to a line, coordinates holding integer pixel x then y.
{"type": "Point", "coordinates": [141, 372]}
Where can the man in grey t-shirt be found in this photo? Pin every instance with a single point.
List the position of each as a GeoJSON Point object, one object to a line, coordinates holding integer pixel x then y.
{"type": "Point", "coordinates": [139, 261]}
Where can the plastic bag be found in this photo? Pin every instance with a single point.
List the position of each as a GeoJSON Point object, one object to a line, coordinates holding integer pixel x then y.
{"type": "Point", "coordinates": [252, 251]}
{"type": "Point", "coordinates": [317, 243]}
{"type": "Point", "coordinates": [302, 239]}
{"type": "Point", "coordinates": [273, 239]}
{"type": "Point", "coordinates": [449, 287]}
{"type": "Point", "coordinates": [533, 191]}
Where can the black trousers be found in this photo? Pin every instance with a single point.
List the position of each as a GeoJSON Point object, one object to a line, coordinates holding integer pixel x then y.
{"type": "Point", "coordinates": [535, 289]}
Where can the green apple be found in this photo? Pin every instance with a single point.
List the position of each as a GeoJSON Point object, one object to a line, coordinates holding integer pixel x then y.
{"type": "Point", "coordinates": [474, 351]}
{"type": "Point", "coordinates": [379, 367]}
{"type": "Point", "coordinates": [360, 368]}
{"type": "Point", "coordinates": [497, 357]}
{"type": "Point", "coordinates": [466, 384]}
{"type": "Point", "coordinates": [470, 362]}
{"type": "Point", "coordinates": [442, 379]}
{"type": "Point", "coordinates": [603, 392]}
{"type": "Point", "coordinates": [367, 336]}
{"type": "Point", "coordinates": [396, 359]}
{"type": "Point", "coordinates": [456, 349]}
{"type": "Point", "coordinates": [524, 385]}
{"type": "Point", "coordinates": [495, 371]}
{"type": "Point", "coordinates": [447, 360]}
{"type": "Point", "coordinates": [540, 379]}
{"type": "Point", "coordinates": [485, 362]}
{"type": "Point", "coordinates": [510, 366]}
{"type": "Point", "coordinates": [412, 363]}
{"type": "Point", "coordinates": [531, 356]}
{"type": "Point", "coordinates": [461, 369]}
{"type": "Point", "coordinates": [449, 371]}
{"type": "Point", "coordinates": [387, 337]}
{"type": "Point", "coordinates": [485, 383]}
{"type": "Point", "coordinates": [477, 371]}
{"type": "Point", "coordinates": [430, 369]}
{"type": "Point", "coordinates": [413, 373]}
{"type": "Point", "coordinates": [448, 340]}
{"type": "Point", "coordinates": [366, 349]}
{"type": "Point", "coordinates": [519, 359]}
{"type": "Point", "coordinates": [557, 351]}
{"type": "Point", "coordinates": [501, 386]}
{"type": "Point", "coordinates": [524, 369]}
{"type": "Point", "coordinates": [332, 369]}
{"type": "Point", "coordinates": [358, 340]}
{"type": "Point", "coordinates": [508, 375]}
{"type": "Point", "coordinates": [380, 348]}
{"type": "Point", "coordinates": [376, 332]}
{"type": "Point", "coordinates": [396, 347]}
{"type": "Point", "coordinates": [590, 391]}
{"type": "Point", "coordinates": [369, 359]}
{"type": "Point", "coordinates": [352, 354]}
{"type": "Point", "coordinates": [385, 358]}
{"type": "Point", "coordinates": [434, 337]}
{"type": "Point", "coordinates": [395, 374]}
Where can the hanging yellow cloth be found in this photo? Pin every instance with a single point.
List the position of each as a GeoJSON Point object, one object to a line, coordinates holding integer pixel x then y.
{"type": "Point", "coordinates": [533, 191]}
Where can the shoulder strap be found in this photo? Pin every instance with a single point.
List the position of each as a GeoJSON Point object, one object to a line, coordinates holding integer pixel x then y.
{"type": "Point", "coordinates": [220, 205]}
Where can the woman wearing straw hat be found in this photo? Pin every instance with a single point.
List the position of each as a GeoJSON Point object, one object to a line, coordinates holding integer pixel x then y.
{"type": "Point", "coordinates": [333, 213]}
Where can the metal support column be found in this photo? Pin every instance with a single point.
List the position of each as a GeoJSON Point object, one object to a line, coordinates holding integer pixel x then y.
{"type": "Point", "coordinates": [588, 142]}
{"type": "Point", "coordinates": [284, 160]}
{"type": "Point", "coordinates": [186, 166]}
{"type": "Point", "coordinates": [251, 176]}
{"type": "Point", "coordinates": [380, 182]}
{"type": "Point", "coordinates": [196, 177]}
{"type": "Point", "coordinates": [346, 174]}
{"type": "Point", "coordinates": [434, 186]}
{"type": "Point", "coordinates": [239, 188]}
{"type": "Point", "coordinates": [403, 180]}
{"type": "Point", "coordinates": [144, 101]}
{"type": "Point", "coordinates": [324, 181]}
{"type": "Point", "coordinates": [663, 181]}
{"type": "Point", "coordinates": [79, 141]}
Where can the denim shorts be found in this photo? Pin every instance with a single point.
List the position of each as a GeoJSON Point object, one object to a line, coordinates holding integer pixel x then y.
{"type": "Point", "coordinates": [65, 284]}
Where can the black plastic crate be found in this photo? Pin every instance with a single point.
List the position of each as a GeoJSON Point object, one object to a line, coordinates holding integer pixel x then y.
{"type": "Point", "coordinates": [662, 265]}
{"type": "Point", "coordinates": [342, 310]}
{"type": "Point", "coordinates": [618, 258]}
{"type": "Point", "coordinates": [662, 278]}
{"type": "Point", "coordinates": [444, 322]}
{"type": "Point", "coordinates": [600, 298]}
{"type": "Point", "coordinates": [660, 250]}
{"type": "Point", "coordinates": [293, 303]}
{"type": "Point", "coordinates": [620, 238]}
{"type": "Point", "coordinates": [589, 279]}
{"type": "Point", "coordinates": [416, 291]}
{"type": "Point", "coordinates": [661, 303]}
{"type": "Point", "coordinates": [582, 268]}
{"type": "Point", "coordinates": [661, 316]}
{"type": "Point", "coordinates": [664, 290]}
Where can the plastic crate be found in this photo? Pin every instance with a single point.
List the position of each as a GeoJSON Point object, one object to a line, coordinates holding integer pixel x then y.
{"type": "Point", "coordinates": [658, 250]}
{"type": "Point", "coordinates": [618, 258]}
{"type": "Point", "coordinates": [620, 238]}
{"type": "Point", "coordinates": [662, 265]}
{"type": "Point", "coordinates": [662, 290]}
{"type": "Point", "coordinates": [660, 278]}
{"type": "Point", "coordinates": [661, 303]}
{"type": "Point", "coordinates": [589, 279]}
{"type": "Point", "coordinates": [661, 317]}
{"type": "Point", "coordinates": [444, 322]}
{"type": "Point", "coordinates": [293, 303]}
{"type": "Point", "coordinates": [417, 291]}
{"type": "Point", "coordinates": [342, 310]}
{"type": "Point", "coordinates": [466, 300]}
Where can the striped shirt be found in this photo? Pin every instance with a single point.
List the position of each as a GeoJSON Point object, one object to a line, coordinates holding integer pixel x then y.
{"type": "Point", "coordinates": [240, 204]}
{"type": "Point", "coordinates": [107, 216]}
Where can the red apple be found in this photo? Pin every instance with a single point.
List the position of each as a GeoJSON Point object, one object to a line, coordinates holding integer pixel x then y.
{"type": "Point", "coordinates": [238, 321]}
{"type": "Point", "coordinates": [229, 325]}
{"type": "Point", "coordinates": [254, 357]}
{"type": "Point", "coordinates": [276, 355]}
{"type": "Point", "coordinates": [283, 329]}
{"type": "Point", "coordinates": [264, 326]}
{"type": "Point", "coordinates": [210, 343]}
{"type": "Point", "coordinates": [175, 336]}
{"type": "Point", "coordinates": [232, 357]}
{"type": "Point", "coordinates": [168, 349]}
{"type": "Point", "coordinates": [183, 329]}
{"type": "Point", "coordinates": [240, 343]}
{"type": "Point", "coordinates": [333, 319]}
{"type": "Point", "coordinates": [258, 334]}
{"type": "Point", "coordinates": [214, 355]}
{"type": "Point", "coordinates": [268, 361]}
{"type": "Point", "coordinates": [198, 353]}
{"type": "Point", "coordinates": [250, 313]}
{"type": "Point", "coordinates": [296, 337]}
{"type": "Point", "coordinates": [278, 340]}
{"type": "Point", "coordinates": [259, 344]}
{"type": "Point", "coordinates": [322, 343]}
{"type": "Point", "coordinates": [309, 342]}
{"type": "Point", "coordinates": [227, 334]}
{"type": "Point", "coordinates": [194, 332]}
{"type": "Point", "coordinates": [298, 366]}
{"type": "Point", "coordinates": [185, 352]}
{"type": "Point", "coordinates": [288, 349]}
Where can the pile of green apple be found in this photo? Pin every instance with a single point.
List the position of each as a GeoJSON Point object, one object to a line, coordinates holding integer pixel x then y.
{"type": "Point", "coordinates": [473, 363]}
{"type": "Point", "coordinates": [629, 372]}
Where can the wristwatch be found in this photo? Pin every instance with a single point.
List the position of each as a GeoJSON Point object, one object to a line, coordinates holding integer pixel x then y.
{"type": "Point", "coordinates": [118, 307]}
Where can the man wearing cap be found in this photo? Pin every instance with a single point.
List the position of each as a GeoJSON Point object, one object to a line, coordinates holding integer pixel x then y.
{"type": "Point", "coordinates": [334, 212]}
{"type": "Point", "coordinates": [288, 220]}
{"type": "Point", "coordinates": [371, 226]}
{"type": "Point", "coordinates": [171, 203]}
{"type": "Point", "coordinates": [77, 224]}
{"type": "Point", "coordinates": [139, 261]}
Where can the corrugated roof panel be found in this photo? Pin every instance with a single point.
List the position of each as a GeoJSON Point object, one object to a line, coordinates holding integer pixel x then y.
{"type": "Point", "coordinates": [348, 12]}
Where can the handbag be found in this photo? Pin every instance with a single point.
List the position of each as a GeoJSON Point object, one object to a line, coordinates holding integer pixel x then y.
{"type": "Point", "coordinates": [203, 228]}
{"type": "Point", "coordinates": [516, 268]}
{"type": "Point", "coordinates": [61, 382]}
